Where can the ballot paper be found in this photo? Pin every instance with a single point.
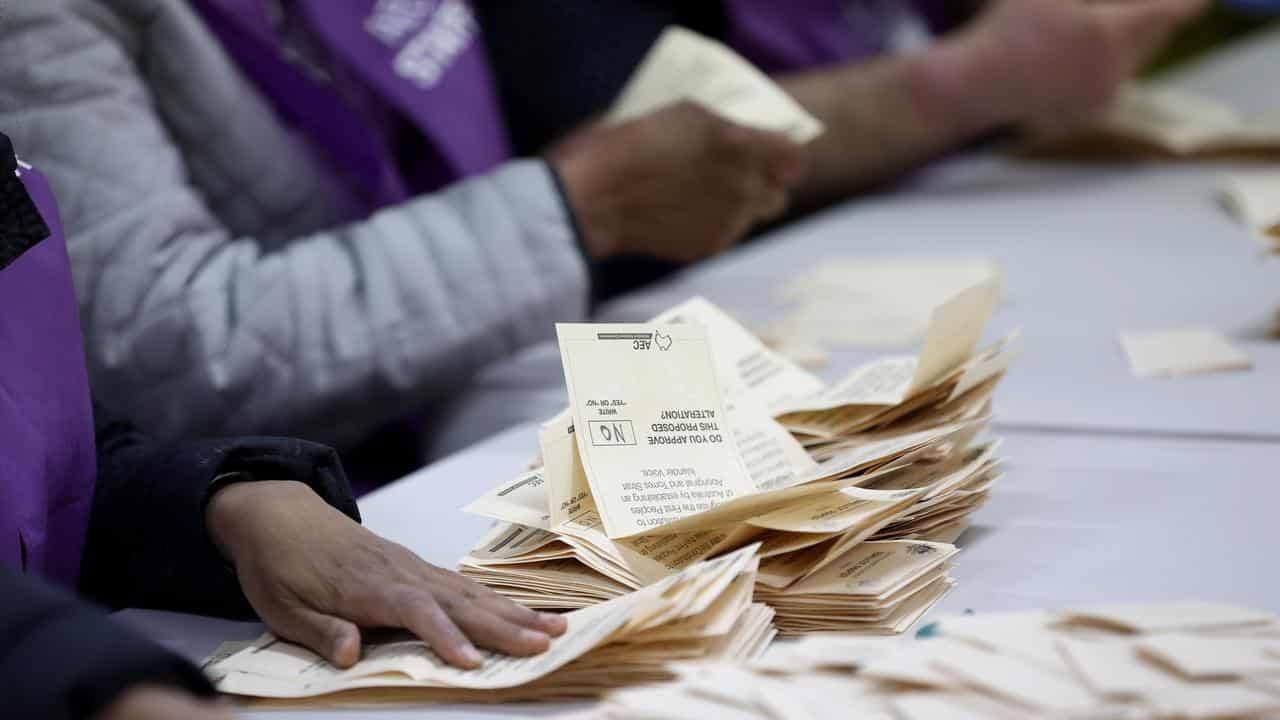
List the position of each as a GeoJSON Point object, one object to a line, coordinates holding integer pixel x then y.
{"type": "Point", "coordinates": [1172, 353]}
{"type": "Point", "coordinates": [878, 497]}
{"type": "Point", "coordinates": [744, 365]}
{"type": "Point", "coordinates": [1151, 120]}
{"type": "Point", "coordinates": [704, 612]}
{"type": "Point", "coordinates": [954, 331]}
{"type": "Point", "coordinates": [754, 380]}
{"type": "Point", "coordinates": [1254, 199]}
{"type": "Point", "coordinates": [880, 587]}
{"type": "Point", "coordinates": [685, 66]}
{"type": "Point", "coordinates": [1181, 670]}
{"type": "Point", "coordinates": [874, 302]}
{"type": "Point", "coordinates": [523, 500]}
{"type": "Point", "coordinates": [654, 442]}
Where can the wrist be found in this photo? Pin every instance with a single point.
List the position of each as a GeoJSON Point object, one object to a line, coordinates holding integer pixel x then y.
{"type": "Point", "coordinates": [956, 87]}
{"type": "Point", "coordinates": [585, 192]}
{"type": "Point", "coordinates": [233, 511]}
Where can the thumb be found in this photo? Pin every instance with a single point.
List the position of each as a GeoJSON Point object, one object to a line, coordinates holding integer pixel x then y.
{"type": "Point", "coordinates": [334, 638]}
{"type": "Point", "coordinates": [783, 161]}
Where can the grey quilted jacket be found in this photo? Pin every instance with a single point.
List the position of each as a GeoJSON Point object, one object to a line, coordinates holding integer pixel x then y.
{"type": "Point", "coordinates": [217, 292]}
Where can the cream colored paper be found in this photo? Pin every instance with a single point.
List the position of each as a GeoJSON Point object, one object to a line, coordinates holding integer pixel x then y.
{"type": "Point", "coordinates": [955, 328]}
{"type": "Point", "coordinates": [567, 485]}
{"type": "Point", "coordinates": [753, 379]}
{"type": "Point", "coordinates": [876, 568]}
{"type": "Point", "coordinates": [745, 366]}
{"type": "Point", "coordinates": [871, 301]}
{"type": "Point", "coordinates": [1171, 617]}
{"type": "Point", "coordinates": [1253, 197]}
{"type": "Point", "coordinates": [522, 500]}
{"type": "Point", "coordinates": [705, 597]}
{"type": "Point", "coordinates": [1173, 353]}
{"type": "Point", "coordinates": [1183, 124]}
{"type": "Point", "coordinates": [650, 423]}
{"type": "Point", "coordinates": [1198, 656]}
{"type": "Point", "coordinates": [685, 66]}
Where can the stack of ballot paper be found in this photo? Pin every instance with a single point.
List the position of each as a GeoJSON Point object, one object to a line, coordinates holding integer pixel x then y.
{"type": "Point", "coordinates": [1161, 122]}
{"type": "Point", "coordinates": [685, 66]}
{"type": "Point", "coordinates": [1132, 662]}
{"type": "Point", "coordinates": [1254, 199]}
{"type": "Point", "coordinates": [670, 454]}
{"type": "Point", "coordinates": [950, 381]}
{"type": "Point", "coordinates": [704, 613]}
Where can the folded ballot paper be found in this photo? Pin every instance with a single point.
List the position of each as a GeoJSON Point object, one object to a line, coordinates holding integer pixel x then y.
{"type": "Point", "coordinates": [1153, 121]}
{"type": "Point", "coordinates": [1188, 660]}
{"type": "Point", "coordinates": [1253, 197]}
{"type": "Point", "coordinates": [869, 301]}
{"type": "Point", "coordinates": [670, 453]}
{"type": "Point", "coordinates": [704, 613]}
{"type": "Point", "coordinates": [685, 66]}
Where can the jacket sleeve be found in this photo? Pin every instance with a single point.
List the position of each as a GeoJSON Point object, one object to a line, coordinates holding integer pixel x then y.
{"type": "Point", "coordinates": [147, 545]}
{"type": "Point", "coordinates": [192, 330]}
{"type": "Point", "coordinates": [63, 659]}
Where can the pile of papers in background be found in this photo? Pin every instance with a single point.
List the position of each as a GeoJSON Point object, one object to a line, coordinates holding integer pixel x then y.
{"type": "Point", "coordinates": [702, 614]}
{"type": "Point", "coordinates": [1254, 199]}
{"type": "Point", "coordinates": [1175, 661]}
{"type": "Point", "coordinates": [870, 302]}
{"type": "Point", "coordinates": [670, 454]}
{"type": "Point", "coordinates": [1161, 122]}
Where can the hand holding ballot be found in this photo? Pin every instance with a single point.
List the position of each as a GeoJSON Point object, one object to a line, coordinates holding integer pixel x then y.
{"type": "Point", "coordinates": [698, 121]}
{"type": "Point", "coordinates": [630, 184]}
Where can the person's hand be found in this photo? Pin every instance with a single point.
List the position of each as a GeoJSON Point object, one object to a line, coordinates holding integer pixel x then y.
{"type": "Point", "coordinates": [678, 184]}
{"type": "Point", "coordinates": [154, 702]}
{"type": "Point", "coordinates": [315, 577]}
{"type": "Point", "coordinates": [1056, 62]}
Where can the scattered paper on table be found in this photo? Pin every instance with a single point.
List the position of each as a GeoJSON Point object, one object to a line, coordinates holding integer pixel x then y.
{"type": "Point", "coordinates": [984, 672]}
{"type": "Point", "coordinates": [1172, 353]}
{"type": "Point", "coordinates": [1147, 120]}
{"type": "Point", "coordinates": [683, 65]}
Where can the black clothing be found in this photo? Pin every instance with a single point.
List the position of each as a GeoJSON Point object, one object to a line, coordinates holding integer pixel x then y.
{"type": "Point", "coordinates": [61, 658]}
{"type": "Point", "coordinates": [146, 547]}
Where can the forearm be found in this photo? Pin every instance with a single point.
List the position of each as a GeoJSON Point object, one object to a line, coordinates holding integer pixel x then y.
{"type": "Point", "coordinates": [888, 115]}
{"type": "Point", "coordinates": [1021, 62]}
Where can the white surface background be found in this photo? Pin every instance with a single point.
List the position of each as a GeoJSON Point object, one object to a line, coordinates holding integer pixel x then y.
{"type": "Point", "coordinates": [1117, 489]}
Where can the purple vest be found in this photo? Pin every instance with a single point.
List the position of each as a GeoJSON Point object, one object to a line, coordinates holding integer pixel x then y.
{"type": "Point", "coordinates": [803, 34]}
{"type": "Point", "coordinates": [48, 463]}
{"type": "Point", "coordinates": [351, 74]}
